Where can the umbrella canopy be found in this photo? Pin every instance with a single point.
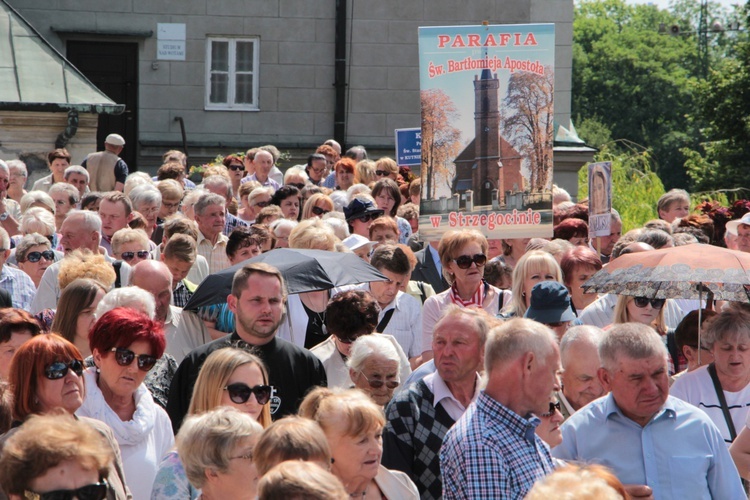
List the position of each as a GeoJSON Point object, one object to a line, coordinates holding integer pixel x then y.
{"type": "Point", "coordinates": [687, 271]}
{"type": "Point", "coordinates": [303, 271]}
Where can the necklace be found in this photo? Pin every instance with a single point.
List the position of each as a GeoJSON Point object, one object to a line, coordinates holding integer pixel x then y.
{"type": "Point", "coordinates": [357, 495]}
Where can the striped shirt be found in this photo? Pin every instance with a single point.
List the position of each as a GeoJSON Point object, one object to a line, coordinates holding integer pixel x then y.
{"type": "Point", "coordinates": [216, 255]}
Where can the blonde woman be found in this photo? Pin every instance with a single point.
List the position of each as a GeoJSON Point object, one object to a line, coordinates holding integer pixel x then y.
{"type": "Point", "coordinates": [230, 377]}
{"type": "Point", "coordinates": [317, 205]}
{"type": "Point", "coordinates": [534, 267]}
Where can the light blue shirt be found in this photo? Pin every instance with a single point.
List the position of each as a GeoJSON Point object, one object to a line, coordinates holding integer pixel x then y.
{"type": "Point", "coordinates": [679, 453]}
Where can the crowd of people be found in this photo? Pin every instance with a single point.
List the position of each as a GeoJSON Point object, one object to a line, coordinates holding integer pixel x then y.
{"type": "Point", "coordinates": [478, 368]}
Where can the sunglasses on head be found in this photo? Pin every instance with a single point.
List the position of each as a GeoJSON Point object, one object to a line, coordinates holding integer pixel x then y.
{"type": "Point", "coordinates": [236, 167]}
{"type": "Point", "coordinates": [382, 173]}
{"type": "Point", "coordinates": [262, 204]}
{"type": "Point", "coordinates": [59, 369]}
{"type": "Point", "coordinates": [377, 384]}
{"type": "Point", "coordinates": [464, 261]}
{"type": "Point", "coordinates": [37, 256]}
{"type": "Point", "coordinates": [320, 211]}
{"type": "Point", "coordinates": [552, 408]}
{"type": "Point", "coordinates": [142, 254]}
{"type": "Point", "coordinates": [125, 357]}
{"type": "Point", "coordinates": [644, 301]}
{"type": "Point", "coordinates": [367, 218]}
{"type": "Point", "coordinates": [96, 491]}
{"type": "Point", "coordinates": [239, 393]}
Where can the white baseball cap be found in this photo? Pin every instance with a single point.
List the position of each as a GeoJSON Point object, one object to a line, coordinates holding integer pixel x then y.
{"type": "Point", "coordinates": [115, 140]}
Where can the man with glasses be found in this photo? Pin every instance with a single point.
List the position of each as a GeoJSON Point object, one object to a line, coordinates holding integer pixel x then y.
{"type": "Point", "coordinates": [419, 416]}
{"type": "Point", "coordinates": [316, 168]}
{"type": "Point", "coordinates": [257, 300]}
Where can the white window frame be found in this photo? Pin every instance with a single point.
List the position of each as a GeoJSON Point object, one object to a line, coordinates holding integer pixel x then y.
{"type": "Point", "coordinates": [231, 105]}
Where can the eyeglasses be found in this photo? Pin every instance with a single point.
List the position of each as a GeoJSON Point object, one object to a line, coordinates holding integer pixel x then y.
{"type": "Point", "coordinates": [37, 256]}
{"type": "Point", "coordinates": [96, 491]}
{"type": "Point", "coordinates": [377, 384]}
{"type": "Point", "coordinates": [236, 167]}
{"type": "Point", "coordinates": [298, 185]}
{"type": "Point", "coordinates": [641, 302]}
{"type": "Point", "coordinates": [262, 204]}
{"type": "Point", "coordinates": [59, 369]}
{"type": "Point", "coordinates": [382, 173]}
{"type": "Point", "coordinates": [464, 261]}
{"type": "Point", "coordinates": [318, 170]}
{"type": "Point", "coordinates": [171, 206]}
{"type": "Point", "coordinates": [552, 408]}
{"type": "Point", "coordinates": [125, 357]}
{"type": "Point", "coordinates": [142, 254]}
{"type": "Point", "coordinates": [320, 211]}
{"type": "Point", "coordinates": [246, 456]}
{"type": "Point", "coordinates": [239, 393]}
{"type": "Point", "coordinates": [367, 218]}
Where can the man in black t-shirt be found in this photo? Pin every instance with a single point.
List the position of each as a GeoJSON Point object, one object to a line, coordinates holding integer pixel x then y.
{"type": "Point", "coordinates": [257, 301]}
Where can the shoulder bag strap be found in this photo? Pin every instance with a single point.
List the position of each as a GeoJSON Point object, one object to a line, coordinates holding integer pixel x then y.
{"type": "Point", "coordinates": [722, 401]}
{"type": "Point", "coordinates": [384, 322]}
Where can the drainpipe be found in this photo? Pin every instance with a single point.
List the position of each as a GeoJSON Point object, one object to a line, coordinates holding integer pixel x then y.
{"type": "Point", "coordinates": [70, 130]}
{"type": "Point", "coordinates": [339, 114]}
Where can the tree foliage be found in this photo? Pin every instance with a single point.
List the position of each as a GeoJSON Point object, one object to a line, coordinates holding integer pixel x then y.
{"type": "Point", "coordinates": [530, 122]}
{"type": "Point", "coordinates": [440, 139]}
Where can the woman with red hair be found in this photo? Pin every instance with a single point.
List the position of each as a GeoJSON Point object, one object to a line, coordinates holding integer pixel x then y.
{"type": "Point", "coordinates": [344, 170]}
{"type": "Point", "coordinates": [574, 230]}
{"type": "Point", "coordinates": [126, 344]}
{"type": "Point", "coordinates": [578, 265]}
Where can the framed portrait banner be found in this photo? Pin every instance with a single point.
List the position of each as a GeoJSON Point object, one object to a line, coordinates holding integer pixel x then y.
{"type": "Point", "coordinates": [600, 198]}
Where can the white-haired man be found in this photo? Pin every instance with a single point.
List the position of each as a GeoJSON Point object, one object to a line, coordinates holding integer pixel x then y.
{"type": "Point", "coordinates": [579, 353]}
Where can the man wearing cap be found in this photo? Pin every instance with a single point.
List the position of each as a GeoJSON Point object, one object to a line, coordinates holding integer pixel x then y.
{"type": "Point", "coordinates": [359, 215]}
{"type": "Point", "coordinates": [107, 171]}
{"type": "Point", "coordinates": [741, 228]}
{"type": "Point", "coordinates": [550, 305]}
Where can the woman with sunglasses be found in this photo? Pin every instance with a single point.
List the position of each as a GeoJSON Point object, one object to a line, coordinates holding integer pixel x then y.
{"type": "Point", "coordinates": [126, 344]}
{"type": "Point", "coordinates": [548, 429]}
{"type": "Point", "coordinates": [374, 366]}
{"type": "Point", "coordinates": [287, 198]}
{"type": "Point", "coordinates": [46, 375]}
{"type": "Point", "coordinates": [34, 255]}
{"type": "Point", "coordinates": [131, 246]}
{"type": "Point", "coordinates": [388, 198]}
{"type": "Point", "coordinates": [463, 255]}
{"type": "Point", "coordinates": [258, 199]}
{"type": "Point", "coordinates": [317, 205]}
{"type": "Point", "coordinates": [230, 377]}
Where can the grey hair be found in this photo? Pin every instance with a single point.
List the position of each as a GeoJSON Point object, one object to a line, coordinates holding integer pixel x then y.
{"type": "Point", "coordinates": [206, 201]}
{"type": "Point", "coordinates": [4, 239]}
{"type": "Point", "coordinates": [136, 179]}
{"type": "Point", "coordinates": [127, 296]}
{"type": "Point", "coordinates": [581, 334]}
{"type": "Point", "coordinates": [340, 200]}
{"type": "Point", "coordinates": [145, 193]}
{"type": "Point", "coordinates": [373, 345]}
{"type": "Point", "coordinates": [208, 440]}
{"type": "Point", "coordinates": [514, 338]}
{"type": "Point", "coordinates": [191, 197]}
{"type": "Point", "coordinates": [478, 317]}
{"type": "Point", "coordinates": [633, 340]}
{"type": "Point", "coordinates": [28, 241]}
{"type": "Point", "coordinates": [37, 220]}
{"type": "Point", "coordinates": [68, 189]}
{"type": "Point", "coordinates": [283, 223]}
{"type": "Point", "coordinates": [218, 180]}
{"type": "Point", "coordinates": [76, 169]}
{"type": "Point", "coordinates": [36, 197]}
{"type": "Point", "coordinates": [730, 324]}
{"type": "Point", "coordinates": [298, 171]}
{"type": "Point", "coordinates": [18, 166]}
{"type": "Point", "coordinates": [355, 190]}
{"type": "Point", "coordinates": [339, 226]}
{"type": "Point", "coordinates": [4, 166]}
{"type": "Point", "coordinates": [91, 220]}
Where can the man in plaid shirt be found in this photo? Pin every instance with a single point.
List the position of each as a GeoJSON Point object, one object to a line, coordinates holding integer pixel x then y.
{"type": "Point", "coordinates": [493, 451]}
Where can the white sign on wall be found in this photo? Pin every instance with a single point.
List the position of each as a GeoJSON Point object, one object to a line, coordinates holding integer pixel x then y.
{"type": "Point", "coordinates": [170, 41]}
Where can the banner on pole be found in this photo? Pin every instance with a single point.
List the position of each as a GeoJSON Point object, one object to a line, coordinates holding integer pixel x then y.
{"type": "Point", "coordinates": [600, 198]}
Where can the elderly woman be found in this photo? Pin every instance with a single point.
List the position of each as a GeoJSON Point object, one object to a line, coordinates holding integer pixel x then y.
{"type": "Point", "coordinates": [230, 377]}
{"type": "Point", "coordinates": [463, 255]}
{"type": "Point", "coordinates": [353, 425]}
{"type": "Point", "coordinates": [386, 168]}
{"type": "Point", "coordinates": [388, 198]}
{"type": "Point", "coordinates": [534, 267]}
{"type": "Point", "coordinates": [37, 199]}
{"type": "Point", "coordinates": [146, 200]}
{"type": "Point", "coordinates": [75, 312]}
{"type": "Point", "coordinates": [317, 206]}
{"type": "Point", "coordinates": [16, 327]}
{"type": "Point", "coordinates": [364, 172]}
{"type": "Point", "coordinates": [287, 198]}
{"type": "Point", "coordinates": [281, 230]}
{"type": "Point", "coordinates": [549, 427]}
{"type": "Point", "coordinates": [131, 245]}
{"type": "Point", "coordinates": [295, 479]}
{"type": "Point", "coordinates": [344, 169]}
{"type": "Point", "coordinates": [66, 198]}
{"type": "Point", "coordinates": [374, 367]}
{"type": "Point", "coordinates": [34, 255]}
{"type": "Point", "coordinates": [46, 375]}
{"type": "Point", "coordinates": [126, 344]}
{"type": "Point", "coordinates": [244, 211]}
{"type": "Point", "coordinates": [296, 176]}
{"type": "Point", "coordinates": [189, 201]}
{"type": "Point", "coordinates": [17, 183]}
{"type": "Point", "coordinates": [216, 448]}
{"type": "Point", "coordinates": [727, 336]}
{"type": "Point", "coordinates": [171, 197]}
{"type": "Point", "coordinates": [673, 204]}
{"type": "Point", "coordinates": [55, 458]}
{"type": "Point", "coordinates": [573, 230]}
{"type": "Point", "coordinates": [578, 266]}
{"type": "Point", "coordinates": [257, 200]}
{"type": "Point", "coordinates": [360, 213]}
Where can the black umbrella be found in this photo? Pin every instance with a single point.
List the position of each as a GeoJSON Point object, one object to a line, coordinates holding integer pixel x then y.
{"type": "Point", "coordinates": [303, 271]}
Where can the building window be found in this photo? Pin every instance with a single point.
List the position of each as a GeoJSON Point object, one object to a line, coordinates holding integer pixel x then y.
{"type": "Point", "coordinates": [232, 73]}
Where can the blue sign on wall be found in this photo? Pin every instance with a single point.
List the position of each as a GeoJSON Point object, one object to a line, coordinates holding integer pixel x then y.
{"type": "Point", "coordinates": [408, 146]}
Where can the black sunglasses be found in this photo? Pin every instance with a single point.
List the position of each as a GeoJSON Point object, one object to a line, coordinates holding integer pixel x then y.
{"type": "Point", "coordinates": [298, 185]}
{"type": "Point", "coordinates": [96, 491]}
{"type": "Point", "coordinates": [382, 173]}
{"type": "Point", "coordinates": [367, 218]}
{"type": "Point", "coordinates": [464, 261]}
{"type": "Point", "coordinates": [236, 167]}
{"type": "Point", "coordinates": [239, 393]}
{"type": "Point", "coordinates": [377, 384]}
{"type": "Point", "coordinates": [320, 211]}
{"type": "Point", "coordinates": [37, 256]}
{"type": "Point", "coordinates": [142, 254]}
{"type": "Point", "coordinates": [644, 301]}
{"type": "Point", "coordinates": [552, 408]}
{"type": "Point", "coordinates": [59, 369]}
{"type": "Point", "coordinates": [125, 357]}
{"type": "Point", "coordinates": [262, 204]}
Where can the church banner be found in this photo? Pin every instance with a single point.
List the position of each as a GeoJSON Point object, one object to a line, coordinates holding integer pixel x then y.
{"type": "Point", "coordinates": [487, 129]}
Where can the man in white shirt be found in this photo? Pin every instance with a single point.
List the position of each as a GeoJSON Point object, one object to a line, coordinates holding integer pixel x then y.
{"type": "Point", "coordinates": [212, 244]}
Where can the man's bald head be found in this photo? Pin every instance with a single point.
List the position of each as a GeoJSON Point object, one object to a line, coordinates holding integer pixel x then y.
{"type": "Point", "coordinates": [154, 277]}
